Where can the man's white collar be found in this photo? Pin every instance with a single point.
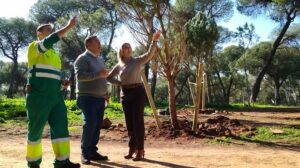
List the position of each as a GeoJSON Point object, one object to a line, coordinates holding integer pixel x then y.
{"type": "Point", "coordinates": [91, 53]}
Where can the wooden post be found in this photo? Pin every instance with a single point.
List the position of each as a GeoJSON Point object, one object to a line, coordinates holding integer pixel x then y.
{"type": "Point", "coordinates": [151, 101]}
{"type": "Point", "coordinates": [198, 94]}
{"type": "Point", "coordinates": [203, 92]}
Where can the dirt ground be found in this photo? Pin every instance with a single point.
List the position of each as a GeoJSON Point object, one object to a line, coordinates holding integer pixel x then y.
{"type": "Point", "coordinates": [162, 154]}
{"type": "Point", "coordinates": [179, 152]}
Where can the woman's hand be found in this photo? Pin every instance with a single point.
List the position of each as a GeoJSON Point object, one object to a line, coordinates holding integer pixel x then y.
{"type": "Point", "coordinates": [156, 36]}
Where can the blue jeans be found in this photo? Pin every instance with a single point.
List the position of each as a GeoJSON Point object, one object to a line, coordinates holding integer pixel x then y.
{"type": "Point", "coordinates": [92, 109]}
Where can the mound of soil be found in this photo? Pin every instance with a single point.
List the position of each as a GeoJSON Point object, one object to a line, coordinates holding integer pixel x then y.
{"type": "Point", "coordinates": [223, 126]}
{"type": "Point", "coordinates": [213, 127]}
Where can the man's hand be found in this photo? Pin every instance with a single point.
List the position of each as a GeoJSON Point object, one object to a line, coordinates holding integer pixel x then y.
{"type": "Point", "coordinates": [103, 73]}
{"type": "Point", "coordinates": [65, 83]}
{"type": "Point", "coordinates": [72, 22]}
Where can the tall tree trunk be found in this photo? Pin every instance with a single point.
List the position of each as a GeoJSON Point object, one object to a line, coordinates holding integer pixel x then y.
{"type": "Point", "coordinates": [259, 78]}
{"type": "Point", "coordinates": [277, 95]}
{"type": "Point", "coordinates": [222, 86]}
{"type": "Point", "coordinates": [214, 94]}
{"type": "Point", "coordinates": [248, 89]}
{"type": "Point", "coordinates": [209, 92]}
{"type": "Point", "coordinates": [229, 89]}
{"type": "Point", "coordinates": [113, 28]}
{"type": "Point", "coordinates": [298, 88]}
{"type": "Point", "coordinates": [172, 105]}
{"type": "Point", "coordinates": [278, 84]}
{"type": "Point", "coordinates": [12, 79]}
{"type": "Point", "coordinates": [182, 86]}
{"type": "Point", "coordinates": [153, 83]}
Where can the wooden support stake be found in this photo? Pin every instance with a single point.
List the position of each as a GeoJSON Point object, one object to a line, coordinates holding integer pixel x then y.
{"type": "Point", "coordinates": [203, 92]}
{"type": "Point", "coordinates": [198, 94]}
{"type": "Point", "coordinates": [151, 101]}
{"type": "Point", "coordinates": [192, 92]}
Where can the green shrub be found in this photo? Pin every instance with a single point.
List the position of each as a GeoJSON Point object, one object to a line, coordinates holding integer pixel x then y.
{"type": "Point", "coordinates": [2, 120]}
{"type": "Point", "coordinates": [11, 108]}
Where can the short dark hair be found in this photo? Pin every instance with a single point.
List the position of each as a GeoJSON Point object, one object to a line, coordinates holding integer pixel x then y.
{"type": "Point", "coordinates": [42, 26]}
{"type": "Point", "coordinates": [88, 39]}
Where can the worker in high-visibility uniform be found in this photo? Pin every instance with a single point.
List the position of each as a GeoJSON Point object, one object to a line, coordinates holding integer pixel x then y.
{"type": "Point", "coordinates": [44, 100]}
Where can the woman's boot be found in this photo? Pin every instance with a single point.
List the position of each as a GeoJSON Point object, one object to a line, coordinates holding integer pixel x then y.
{"type": "Point", "coordinates": [130, 153]}
{"type": "Point", "coordinates": [140, 154]}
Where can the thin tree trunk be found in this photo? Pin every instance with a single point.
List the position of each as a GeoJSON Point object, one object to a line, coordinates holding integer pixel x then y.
{"type": "Point", "coordinates": [278, 84]}
{"type": "Point", "coordinates": [113, 28]}
{"type": "Point", "coordinates": [298, 88]}
{"type": "Point", "coordinates": [12, 79]}
{"type": "Point", "coordinates": [277, 95]}
{"type": "Point", "coordinates": [172, 105]}
{"type": "Point", "coordinates": [229, 90]}
{"type": "Point", "coordinates": [248, 89]}
{"type": "Point", "coordinates": [153, 83]}
{"type": "Point", "coordinates": [209, 92]}
{"type": "Point", "coordinates": [223, 87]}
{"type": "Point", "coordinates": [214, 95]}
{"type": "Point", "coordinates": [182, 86]}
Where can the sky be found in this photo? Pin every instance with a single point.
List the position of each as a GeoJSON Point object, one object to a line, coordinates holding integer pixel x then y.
{"type": "Point", "coordinates": [263, 25]}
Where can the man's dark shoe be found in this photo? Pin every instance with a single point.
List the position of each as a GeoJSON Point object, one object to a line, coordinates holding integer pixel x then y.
{"type": "Point", "coordinates": [98, 157]}
{"type": "Point", "coordinates": [34, 166]}
{"type": "Point", "coordinates": [85, 160]}
{"type": "Point", "coordinates": [70, 165]}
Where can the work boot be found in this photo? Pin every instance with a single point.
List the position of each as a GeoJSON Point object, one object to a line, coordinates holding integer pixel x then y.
{"type": "Point", "coordinates": [70, 165]}
{"type": "Point", "coordinates": [85, 160]}
{"type": "Point", "coordinates": [98, 157]}
{"type": "Point", "coordinates": [34, 166]}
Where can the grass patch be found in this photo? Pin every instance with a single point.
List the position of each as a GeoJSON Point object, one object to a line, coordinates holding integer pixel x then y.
{"type": "Point", "coordinates": [265, 134]}
{"type": "Point", "coordinates": [257, 105]}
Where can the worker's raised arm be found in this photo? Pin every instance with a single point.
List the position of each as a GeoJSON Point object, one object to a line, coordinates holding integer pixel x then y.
{"type": "Point", "coordinates": [71, 23]}
{"type": "Point", "coordinates": [48, 42]}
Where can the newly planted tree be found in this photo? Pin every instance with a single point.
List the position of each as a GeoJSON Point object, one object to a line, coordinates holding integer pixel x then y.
{"type": "Point", "coordinates": [219, 10]}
